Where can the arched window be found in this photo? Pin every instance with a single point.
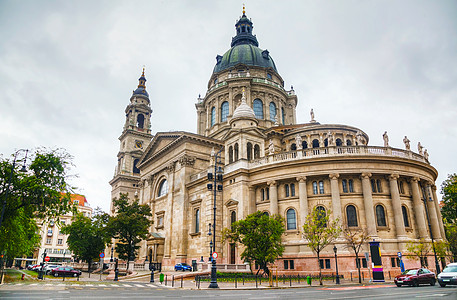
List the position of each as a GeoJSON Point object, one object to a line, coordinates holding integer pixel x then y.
{"type": "Point", "coordinates": [315, 187]}
{"type": "Point", "coordinates": [163, 188]}
{"type": "Point", "coordinates": [321, 214]}
{"type": "Point", "coordinates": [351, 216]}
{"type": "Point", "coordinates": [283, 116]}
{"type": "Point", "coordinates": [236, 152]}
{"type": "Point", "coordinates": [272, 111]}
{"type": "Point", "coordinates": [232, 217]}
{"type": "Point", "coordinates": [405, 216]}
{"type": "Point", "coordinates": [348, 143]}
{"type": "Point", "coordinates": [351, 186]}
{"type": "Point", "coordinates": [293, 147]}
{"type": "Point", "coordinates": [286, 187]}
{"type": "Point", "coordinates": [344, 182]}
{"type": "Point", "coordinates": [256, 151]}
{"type": "Point", "coordinates": [213, 116]}
{"type": "Point", "coordinates": [315, 143]}
{"type": "Point", "coordinates": [379, 186]}
{"type": "Point", "coordinates": [326, 143]}
{"type": "Point", "coordinates": [197, 220]}
{"type": "Point", "coordinates": [265, 213]}
{"type": "Point", "coordinates": [140, 121]}
{"type": "Point", "coordinates": [249, 151]}
{"type": "Point", "coordinates": [224, 111]}
{"type": "Point", "coordinates": [321, 187]}
{"type": "Point", "coordinates": [291, 219]}
{"type": "Point", "coordinates": [373, 185]}
{"type": "Point", "coordinates": [258, 108]}
{"type": "Point", "coordinates": [304, 145]}
{"type": "Point", "coordinates": [380, 215]}
{"type": "Point", "coordinates": [339, 142]}
{"type": "Point", "coordinates": [292, 190]}
{"type": "Point", "coordinates": [230, 154]}
{"type": "Point", "coordinates": [135, 168]}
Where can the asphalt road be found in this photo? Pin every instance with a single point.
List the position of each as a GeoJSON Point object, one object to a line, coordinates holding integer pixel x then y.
{"type": "Point", "coordinates": [148, 291]}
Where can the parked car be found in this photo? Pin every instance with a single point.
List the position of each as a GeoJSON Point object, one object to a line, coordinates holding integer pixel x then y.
{"type": "Point", "coordinates": [48, 268]}
{"type": "Point", "coordinates": [448, 276]}
{"type": "Point", "coordinates": [414, 277]}
{"type": "Point", "coordinates": [36, 268]}
{"type": "Point", "coordinates": [183, 267]}
{"type": "Point", "coordinates": [65, 271]}
{"type": "Point", "coordinates": [32, 267]}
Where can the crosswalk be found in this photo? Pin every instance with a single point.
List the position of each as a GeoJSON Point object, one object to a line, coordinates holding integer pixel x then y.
{"type": "Point", "coordinates": [90, 285]}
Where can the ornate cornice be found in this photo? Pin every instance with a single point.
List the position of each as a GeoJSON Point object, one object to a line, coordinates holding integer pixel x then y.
{"type": "Point", "coordinates": [334, 176]}
{"type": "Point", "coordinates": [365, 175]}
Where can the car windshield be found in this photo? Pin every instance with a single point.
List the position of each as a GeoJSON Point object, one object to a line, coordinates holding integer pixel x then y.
{"type": "Point", "coordinates": [185, 265]}
{"type": "Point", "coordinates": [409, 272]}
{"type": "Point", "coordinates": [450, 269]}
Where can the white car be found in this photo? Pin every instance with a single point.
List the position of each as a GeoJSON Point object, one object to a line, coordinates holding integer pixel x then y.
{"type": "Point", "coordinates": [448, 276]}
{"type": "Point", "coordinates": [48, 268]}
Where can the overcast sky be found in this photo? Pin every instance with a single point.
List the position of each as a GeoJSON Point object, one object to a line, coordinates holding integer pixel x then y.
{"type": "Point", "coordinates": [68, 68]}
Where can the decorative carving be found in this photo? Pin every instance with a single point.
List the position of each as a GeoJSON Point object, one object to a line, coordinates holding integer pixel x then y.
{"type": "Point", "coordinates": [150, 179]}
{"type": "Point", "coordinates": [171, 167]}
{"type": "Point", "coordinates": [365, 175]}
{"type": "Point", "coordinates": [187, 160]}
{"type": "Point", "coordinates": [330, 139]}
{"type": "Point", "coordinates": [407, 143]}
{"type": "Point", "coordinates": [419, 148]}
{"type": "Point", "coordinates": [298, 141]}
{"type": "Point", "coordinates": [301, 179]}
{"type": "Point", "coordinates": [360, 139]}
{"type": "Point", "coordinates": [271, 147]}
{"type": "Point", "coordinates": [426, 154]}
{"type": "Point", "coordinates": [312, 116]}
{"type": "Point", "coordinates": [272, 182]}
{"type": "Point", "coordinates": [415, 179]}
{"type": "Point", "coordinates": [394, 176]}
{"type": "Point", "coordinates": [334, 176]}
{"type": "Point", "coordinates": [385, 137]}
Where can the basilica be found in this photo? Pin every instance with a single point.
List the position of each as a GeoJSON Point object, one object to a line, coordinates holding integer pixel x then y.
{"type": "Point", "coordinates": [247, 131]}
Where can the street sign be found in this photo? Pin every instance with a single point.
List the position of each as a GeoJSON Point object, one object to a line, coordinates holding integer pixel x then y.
{"type": "Point", "coordinates": [102, 255]}
{"type": "Point", "coordinates": [399, 254]}
{"type": "Point", "coordinates": [46, 258]}
{"type": "Point", "coordinates": [215, 255]}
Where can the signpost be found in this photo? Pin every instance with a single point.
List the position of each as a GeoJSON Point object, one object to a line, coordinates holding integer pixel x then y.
{"type": "Point", "coordinates": [215, 255]}
{"type": "Point", "coordinates": [102, 255]}
{"type": "Point", "coordinates": [46, 259]}
{"type": "Point", "coordinates": [402, 266]}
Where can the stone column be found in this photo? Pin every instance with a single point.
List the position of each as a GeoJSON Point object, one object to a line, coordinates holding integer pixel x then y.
{"type": "Point", "coordinates": [336, 201]}
{"type": "Point", "coordinates": [251, 200]}
{"type": "Point", "coordinates": [302, 199]}
{"type": "Point", "coordinates": [273, 198]}
{"type": "Point", "coordinates": [396, 206]}
{"type": "Point", "coordinates": [418, 208]}
{"type": "Point", "coordinates": [432, 214]}
{"type": "Point", "coordinates": [438, 211]}
{"type": "Point", "coordinates": [368, 205]}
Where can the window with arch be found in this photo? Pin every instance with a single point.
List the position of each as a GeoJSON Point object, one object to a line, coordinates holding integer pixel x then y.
{"type": "Point", "coordinates": [283, 116]}
{"type": "Point", "coordinates": [286, 187]}
{"type": "Point", "coordinates": [230, 154]}
{"type": "Point", "coordinates": [292, 189]}
{"type": "Point", "coordinates": [401, 188]}
{"type": "Point", "coordinates": [378, 185]}
{"type": "Point", "coordinates": [321, 214]}
{"type": "Point", "coordinates": [293, 147]}
{"type": "Point", "coordinates": [380, 215]}
{"type": "Point", "coordinates": [304, 145]}
{"type": "Point", "coordinates": [197, 220]}
{"type": "Point", "coordinates": [315, 143]}
{"type": "Point", "coordinates": [265, 213]}
{"type": "Point", "coordinates": [272, 111]}
{"type": "Point", "coordinates": [326, 143]}
{"type": "Point", "coordinates": [315, 192]}
{"type": "Point", "coordinates": [344, 183]}
{"type": "Point", "coordinates": [163, 188]}
{"type": "Point", "coordinates": [256, 151]}
{"type": "Point", "coordinates": [351, 216]}
{"type": "Point", "coordinates": [224, 111]}
{"type": "Point", "coordinates": [236, 152]}
{"type": "Point", "coordinates": [213, 116]}
{"type": "Point", "coordinates": [339, 142]}
{"type": "Point", "coordinates": [249, 151]}
{"type": "Point", "coordinates": [291, 219]}
{"type": "Point", "coordinates": [351, 186]}
{"type": "Point", "coordinates": [135, 168]}
{"type": "Point", "coordinates": [232, 217]}
{"type": "Point", "coordinates": [321, 187]}
{"type": "Point", "coordinates": [348, 143]}
{"type": "Point", "coordinates": [140, 121]}
{"type": "Point", "coordinates": [404, 211]}
{"type": "Point", "coordinates": [373, 185]}
{"type": "Point", "coordinates": [258, 108]}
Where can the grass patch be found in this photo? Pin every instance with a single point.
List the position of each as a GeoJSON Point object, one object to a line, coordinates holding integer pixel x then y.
{"type": "Point", "coordinates": [12, 275]}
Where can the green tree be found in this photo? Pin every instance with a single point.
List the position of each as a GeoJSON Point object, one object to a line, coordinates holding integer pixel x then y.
{"type": "Point", "coordinates": [355, 239]}
{"type": "Point", "coordinates": [129, 225]}
{"type": "Point", "coordinates": [451, 236]}
{"type": "Point", "coordinates": [442, 250]}
{"type": "Point", "coordinates": [320, 232]}
{"type": "Point", "coordinates": [261, 237]}
{"type": "Point", "coordinates": [449, 191]}
{"type": "Point", "coordinates": [419, 251]}
{"type": "Point", "coordinates": [88, 237]}
{"type": "Point", "coordinates": [42, 192]}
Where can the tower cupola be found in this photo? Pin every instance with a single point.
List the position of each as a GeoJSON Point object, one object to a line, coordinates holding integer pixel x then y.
{"type": "Point", "coordinates": [141, 90]}
{"type": "Point", "coordinates": [244, 32]}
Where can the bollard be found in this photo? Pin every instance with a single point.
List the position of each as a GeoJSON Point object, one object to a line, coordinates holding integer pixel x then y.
{"type": "Point", "coordinates": [161, 277]}
{"type": "Point", "coordinates": [256, 286]}
{"type": "Point", "coordinates": [166, 280]}
{"type": "Point", "coordinates": [172, 280]}
{"type": "Point", "coordinates": [236, 285]}
{"type": "Point", "coordinates": [23, 275]}
{"type": "Point", "coordinates": [181, 280]}
{"type": "Point", "coordinates": [152, 276]}
{"type": "Point", "coordinates": [290, 280]}
{"type": "Point", "coordinates": [308, 280]}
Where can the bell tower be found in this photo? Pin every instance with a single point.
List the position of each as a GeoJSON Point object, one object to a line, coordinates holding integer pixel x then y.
{"type": "Point", "coordinates": [134, 140]}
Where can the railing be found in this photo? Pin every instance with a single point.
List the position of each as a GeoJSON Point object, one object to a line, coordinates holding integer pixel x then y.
{"type": "Point", "coordinates": [197, 176]}
{"type": "Point", "coordinates": [218, 85]}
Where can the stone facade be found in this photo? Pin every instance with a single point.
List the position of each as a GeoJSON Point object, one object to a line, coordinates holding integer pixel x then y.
{"type": "Point", "coordinates": [272, 164]}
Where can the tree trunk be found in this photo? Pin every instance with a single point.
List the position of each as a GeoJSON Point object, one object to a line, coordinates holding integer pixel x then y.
{"type": "Point", "coordinates": [320, 270]}
{"type": "Point", "coordinates": [88, 267]}
{"type": "Point", "coordinates": [357, 262]}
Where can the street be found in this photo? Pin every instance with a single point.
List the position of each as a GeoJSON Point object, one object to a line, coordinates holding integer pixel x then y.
{"type": "Point", "coordinates": [156, 291]}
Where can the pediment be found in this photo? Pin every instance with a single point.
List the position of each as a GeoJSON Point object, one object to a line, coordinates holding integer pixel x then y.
{"type": "Point", "coordinates": [231, 202]}
{"type": "Point", "coordinates": [250, 131]}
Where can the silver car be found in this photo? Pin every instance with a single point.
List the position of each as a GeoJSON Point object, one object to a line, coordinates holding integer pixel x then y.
{"type": "Point", "coordinates": [48, 268]}
{"type": "Point", "coordinates": [448, 276]}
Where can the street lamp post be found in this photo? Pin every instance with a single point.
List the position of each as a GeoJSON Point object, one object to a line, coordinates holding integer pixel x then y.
{"type": "Point", "coordinates": [215, 178]}
{"type": "Point", "coordinates": [336, 265]}
{"type": "Point", "coordinates": [23, 169]}
{"type": "Point", "coordinates": [112, 250]}
{"type": "Point", "coordinates": [437, 266]}
{"type": "Point", "coordinates": [210, 242]}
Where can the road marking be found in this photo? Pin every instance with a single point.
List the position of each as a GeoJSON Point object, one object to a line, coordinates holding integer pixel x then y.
{"type": "Point", "coordinates": [151, 285]}
{"type": "Point", "coordinates": [127, 285]}
{"type": "Point", "coordinates": [33, 284]}
{"type": "Point", "coordinates": [102, 285]}
{"type": "Point", "coordinates": [432, 295]}
{"type": "Point", "coordinates": [358, 287]}
{"type": "Point", "coordinates": [139, 285]}
{"type": "Point", "coordinates": [89, 285]}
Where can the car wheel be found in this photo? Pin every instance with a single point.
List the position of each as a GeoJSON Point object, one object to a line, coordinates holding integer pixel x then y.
{"type": "Point", "coordinates": [56, 275]}
{"type": "Point", "coordinates": [442, 284]}
{"type": "Point", "coordinates": [432, 281]}
{"type": "Point", "coordinates": [399, 285]}
{"type": "Point", "coordinates": [415, 283]}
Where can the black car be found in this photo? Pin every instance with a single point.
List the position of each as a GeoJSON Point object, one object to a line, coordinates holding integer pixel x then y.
{"type": "Point", "coordinates": [65, 271]}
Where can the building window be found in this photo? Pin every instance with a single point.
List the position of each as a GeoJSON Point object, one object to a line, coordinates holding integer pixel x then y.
{"type": "Point", "coordinates": [292, 190]}
{"type": "Point", "coordinates": [351, 186]}
{"type": "Point", "coordinates": [321, 187]}
{"type": "Point", "coordinates": [262, 192]}
{"type": "Point", "coordinates": [315, 187]}
{"type": "Point", "coordinates": [272, 111]}
{"type": "Point", "coordinates": [269, 76]}
{"type": "Point", "coordinates": [163, 188]}
{"type": "Point", "coordinates": [249, 151]}
{"type": "Point", "coordinates": [373, 185]}
{"type": "Point", "coordinates": [224, 111]}
{"type": "Point", "coordinates": [339, 142]}
{"type": "Point", "coordinates": [351, 215]}
{"type": "Point", "coordinates": [395, 262]}
{"type": "Point", "coordinates": [59, 241]}
{"type": "Point", "coordinates": [160, 221]}
{"type": "Point", "coordinates": [405, 216]}
{"type": "Point", "coordinates": [283, 116]}
{"type": "Point", "coordinates": [286, 187]}
{"type": "Point", "coordinates": [324, 263]}
{"type": "Point", "coordinates": [230, 154]}
{"type": "Point", "coordinates": [344, 182]}
{"type": "Point", "coordinates": [197, 220]}
{"type": "Point", "coordinates": [258, 108]}
{"type": "Point", "coordinates": [321, 216]}
{"type": "Point", "coordinates": [291, 219]}
{"type": "Point", "coordinates": [379, 186]}
{"type": "Point", "coordinates": [48, 240]}
{"type": "Point", "coordinates": [380, 215]}
{"type": "Point", "coordinates": [265, 213]}
{"type": "Point", "coordinates": [400, 187]}
{"type": "Point", "coordinates": [315, 143]}
{"type": "Point", "coordinates": [236, 152]}
{"type": "Point", "coordinates": [213, 116]}
{"type": "Point", "coordinates": [293, 147]}
{"type": "Point", "coordinates": [304, 145]}
{"type": "Point", "coordinates": [348, 143]}
{"type": "Point", "coordinates": [140, 121]}
{"type": "Point", "coordinates": [232, 217]}
{"type": "Point", "coordinates": [256, 151]}
{"type": "Point", "coordinates": [289, 264]}
{"type": "Point", "coordinates": [364, 263]}
{"type": "Point", "coordinates": [267, 193]}
{"type": "Point", "coordinates": [135, 168]}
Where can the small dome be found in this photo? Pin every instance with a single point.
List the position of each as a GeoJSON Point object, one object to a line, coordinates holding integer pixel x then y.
{"type": "Point", "coordinates": [244, 111]}
{"type": "Point", "coordinates": [140, 91]}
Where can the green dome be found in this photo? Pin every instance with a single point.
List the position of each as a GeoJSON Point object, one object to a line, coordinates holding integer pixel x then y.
{"type": "Point", "coordinates": [247, 54]}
